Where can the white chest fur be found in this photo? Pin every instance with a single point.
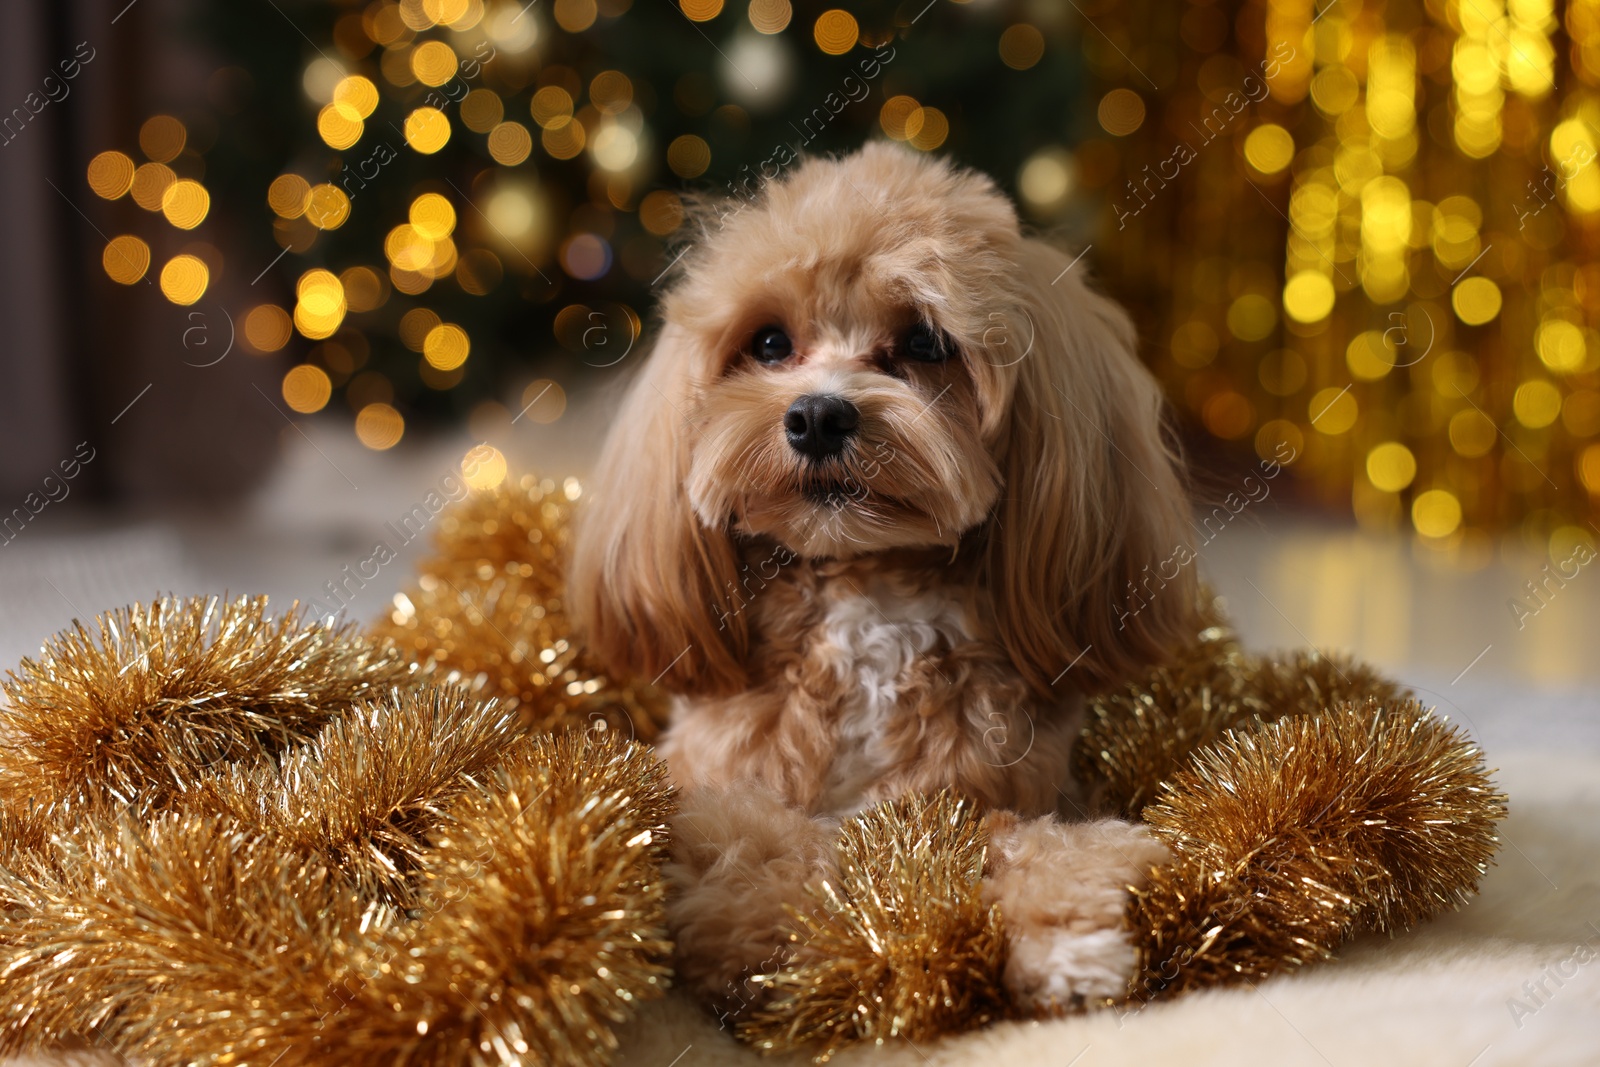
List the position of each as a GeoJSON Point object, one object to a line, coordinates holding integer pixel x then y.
{"type": "Point", "coordinates": [871, 638]}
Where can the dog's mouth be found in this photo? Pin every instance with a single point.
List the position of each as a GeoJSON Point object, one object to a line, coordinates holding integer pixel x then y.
{"type": "Point", "coordinates": [837, 485]}
{"type": "Point", "coordinates": [851, 495]}
{"type": "Point", "coordinates": [832, 509]}
{"type": "Point", "coordinates": [836, 494]}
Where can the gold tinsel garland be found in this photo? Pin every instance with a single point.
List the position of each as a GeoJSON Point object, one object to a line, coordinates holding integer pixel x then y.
{"type": "Point", "coordinates": [230, 837]}
{"type": "Point", "coordinates": [1290, 837]}
{"type": "Point", "coordinates": [902, 947]}
{"type": "Point", "coordinates": [534, 920]}
{"type": "Point", "coordinates": [489, 610]}
{"type": "Point", "coordinates": [129, 711]}
{"type": "Point", "coordinates": [366, 791]}
{"type": "Point", "coordinates": [1138, 736]}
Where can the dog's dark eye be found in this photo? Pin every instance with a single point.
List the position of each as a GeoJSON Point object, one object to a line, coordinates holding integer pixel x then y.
{"type": "Point", "coordinates": [770, 345]}
{"type": "Point", "coordinates": [926, 345]}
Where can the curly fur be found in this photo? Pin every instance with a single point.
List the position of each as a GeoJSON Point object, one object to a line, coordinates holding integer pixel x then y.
{"type": "Point", "coordinates": [925, 609]}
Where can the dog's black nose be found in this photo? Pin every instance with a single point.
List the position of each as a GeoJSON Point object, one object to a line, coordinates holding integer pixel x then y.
{"type": "Point", "coordinates": [818, 426]}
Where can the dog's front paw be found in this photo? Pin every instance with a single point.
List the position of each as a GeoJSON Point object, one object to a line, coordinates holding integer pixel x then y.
{"type": "Point", "coordinates": [1063, 890]}
{"type": "Point", "coordinates": [1052, 969]}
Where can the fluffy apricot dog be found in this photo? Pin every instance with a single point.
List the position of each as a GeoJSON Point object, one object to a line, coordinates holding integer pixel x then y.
{"type": "Point", "coordinates": [880, 508]}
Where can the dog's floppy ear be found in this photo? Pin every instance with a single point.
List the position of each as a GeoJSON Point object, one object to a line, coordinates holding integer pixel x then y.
{"type": "Point", "coordinates": [1093, 498]}
{"type": "Point", "coordinates": [649, 587]}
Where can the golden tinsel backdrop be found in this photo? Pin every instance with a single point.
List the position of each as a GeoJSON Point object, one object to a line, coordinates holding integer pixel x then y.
{"type": "Point", "coordinates": [1368, 232]}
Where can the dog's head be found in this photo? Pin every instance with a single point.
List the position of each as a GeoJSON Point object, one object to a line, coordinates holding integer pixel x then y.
{"type": "Point", "coordinates": [872, 356]}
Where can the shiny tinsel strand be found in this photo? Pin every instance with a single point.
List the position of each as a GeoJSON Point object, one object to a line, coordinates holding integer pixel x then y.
{"type": "Point", "coordinates": [901, 947]}
{"type": "Point", "coordinates": [24, 830]}
{"type": "Point", "coordinates": [522, 527]}
{"type": "Point", "coordinates": [1137, 737]}
{"type": "Point", "coordinates": [1308, 681]}
{"type": "Point", "coordinates": [489, 611]}
{"type": "Point", "coordinates": [365, 792]}
{"type": "Point", "coordinates": [180, 940]}
{"type": "Point", "coordinates": [139, 705]}
{"type": "Point", "coordinates": [546, 921]}
{"type": "Point", "coordinates": [1292, 836]}
{"type": "Point", "coordinates": [188, 939]}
